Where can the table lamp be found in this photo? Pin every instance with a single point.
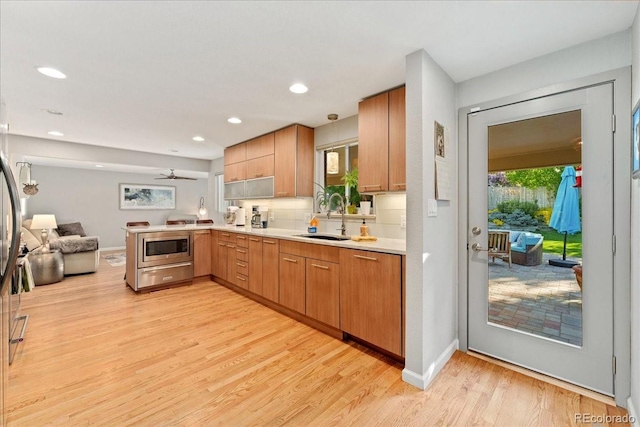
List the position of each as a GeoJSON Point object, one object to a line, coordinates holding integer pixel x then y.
{"type": "Point", "coordinates": [45, 223]}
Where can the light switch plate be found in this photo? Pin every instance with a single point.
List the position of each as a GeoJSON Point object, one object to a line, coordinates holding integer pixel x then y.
{"type": "Point", "coordinates": [403, 221]}
{"type": "Point", "coordinates": [432, 207]}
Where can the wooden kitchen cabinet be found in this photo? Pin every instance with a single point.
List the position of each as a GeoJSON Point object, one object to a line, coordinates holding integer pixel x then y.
{"type": "Point", "coordinates": [201, 253]}
{"type": "Point", "coordinates": [270, 268]}
{"type": "Point", "coordinates": [323, 291]}
{"type": "Point", "coordinates": [260, 146]}
{"type": "Point", "coordinates": [381, 142]}
{"type": "Point", "coordinates": [220, 261]}
{"type": "Point", "coordinates": [235, 172]}
{"type": "Point", "coordinates": [293, 161]}
{"type": "Point", "coordinates": [373, 143]}
{"type": "Point", "coordinates": [235, 154]}
{"type": "Point", "coordinates": [260, 167]}
{"type": "Point", "coordinates": [292, 282]}
{"type": "Point", "coordinates": [231, 263]}
{"type": "Point", "coordinates": [255, 264]}
{"type": "Point", "coordinates": [397, 140]}
{"type": "Point", "coordinates": [371, 298]}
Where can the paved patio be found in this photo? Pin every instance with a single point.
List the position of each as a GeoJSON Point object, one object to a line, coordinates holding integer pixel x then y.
{"type": "Point", "coordinates": [543, 300]}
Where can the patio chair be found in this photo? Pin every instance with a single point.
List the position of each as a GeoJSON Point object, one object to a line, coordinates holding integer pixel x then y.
{"type": "Point", "coordinates": [500, 246]}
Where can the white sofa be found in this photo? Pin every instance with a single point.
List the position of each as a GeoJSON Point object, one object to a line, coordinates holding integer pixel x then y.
{"type": "Point", "coordinates": [77, 259]}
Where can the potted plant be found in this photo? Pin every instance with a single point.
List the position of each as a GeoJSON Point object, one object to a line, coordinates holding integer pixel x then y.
{"type": "Point", "coordinates": [322, 198]}
{"type": "Point", "coordinates": [350, 180]}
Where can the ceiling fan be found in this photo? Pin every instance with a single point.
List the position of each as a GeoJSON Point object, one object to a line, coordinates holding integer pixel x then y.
{"type": "Point", "coordinates": [172, 175]}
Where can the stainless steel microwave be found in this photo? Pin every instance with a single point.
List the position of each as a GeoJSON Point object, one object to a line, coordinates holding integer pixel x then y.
{"type": "Point", "coordinates": [166, 247]}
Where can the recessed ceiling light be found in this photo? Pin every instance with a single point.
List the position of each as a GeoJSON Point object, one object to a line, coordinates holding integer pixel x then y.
{"type": "Point", "coordinates": [298, 88]}
{"type": "Point", "coordinates": [173, 151]}
{"type": "Point", "coordinates": [234, 120]}
{"type": "Point", "coordinates": [54, 112]}
{"type": "Point", "coordinates": [99, 166]}
{"type": "Point", "coordinates": [198, 138]}
{"type": "Point", "coordinates": [55, 133]}
{"type": "Point", "coordinates": [52, 72]}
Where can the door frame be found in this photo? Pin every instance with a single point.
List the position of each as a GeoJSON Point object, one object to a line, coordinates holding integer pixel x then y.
{"type": "Point", "coordinates": [621, 79]}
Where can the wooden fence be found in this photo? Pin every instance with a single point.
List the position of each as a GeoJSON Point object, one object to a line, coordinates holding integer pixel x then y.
{"type": "Point", "coordinates": [501, 194]}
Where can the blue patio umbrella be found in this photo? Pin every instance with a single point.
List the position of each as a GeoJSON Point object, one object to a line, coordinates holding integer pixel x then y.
{"type": "Point", "coordinates": [565, 217]}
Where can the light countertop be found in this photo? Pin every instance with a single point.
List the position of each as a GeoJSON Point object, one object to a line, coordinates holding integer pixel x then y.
{"type": "Point", "coordinates": [385, 245]}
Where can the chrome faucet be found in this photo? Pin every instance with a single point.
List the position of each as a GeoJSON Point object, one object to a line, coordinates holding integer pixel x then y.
{"type": "Point", "coordinates": [343, 229]}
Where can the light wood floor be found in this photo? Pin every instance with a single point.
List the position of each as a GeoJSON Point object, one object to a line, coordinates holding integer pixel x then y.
{"type": "Point", "coordinates": [95, 353]}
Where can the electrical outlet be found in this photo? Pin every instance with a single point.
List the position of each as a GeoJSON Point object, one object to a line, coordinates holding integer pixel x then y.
{"type": "Point", "coordinates": [403, 221]}
{"type": "Point", "coordinates": [307, 218]}
{"type": "Point", "coordinates": [273, 217]}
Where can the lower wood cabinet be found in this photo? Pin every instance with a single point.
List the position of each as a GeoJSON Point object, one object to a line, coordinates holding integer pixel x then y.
{"type": "Point", "coordinates": [292, 282]}
{"type": "Point", "coordinates": [371, 298]}
{"type": "Point", "coordinates": [220, 260]}
{"type": "Point", "coordinates": [270, 269]}
{"type": "Point", "coordinates": [201, 253]}
{"type": "Point", "coordinates": [323, 291]}
{"type": "Point", "coordinates": [255, 265]}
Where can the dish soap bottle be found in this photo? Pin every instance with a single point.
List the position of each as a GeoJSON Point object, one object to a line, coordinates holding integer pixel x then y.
{"type": "Point", "coordinates": [364, 229]}
{"type": "Point", "coordinates": [313, 225]}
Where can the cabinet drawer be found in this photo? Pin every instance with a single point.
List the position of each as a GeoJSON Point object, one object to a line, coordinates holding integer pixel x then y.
{"type": "Point", "coordinates": [242, 281]}
{"type": "Point", "coordinates": [242, 267]}
{"type": "Point", "coordinates": [242, 240]}
{"type": "Point", "coordinates": [242, 254]}
{"type": "Point", "coordinates": [226, 236]}
{"type": "Point", "coordinates": [323, 291]}
{"type": "Point", "coordinates": [311, 250]}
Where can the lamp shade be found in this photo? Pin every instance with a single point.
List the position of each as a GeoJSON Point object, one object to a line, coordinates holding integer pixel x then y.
{"type": "Point", "coordinates": [202, 210]}
{"type": "Point", "coordinates": [43, 222]}
{"type": "Point", "coordinates": [333, 162]}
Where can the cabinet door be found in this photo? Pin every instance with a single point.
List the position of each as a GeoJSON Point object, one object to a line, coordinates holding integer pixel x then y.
{"type": "Point", "coordinates": [397, 137]}
{"type": "Point", "coordinates": [323, 291]}
{"type": "Point", "coordinates": [231, 263]}
{"type": "Point", "coordinates": [292, 282]}
{"type": "Point", "coordinates": [255, 265]}
{"type": "Point", "coordinates": [214, 252]}
{"type": "Point", "coordinates": [235, 154]}
{"type": "Point", "coordinates": [220, 265]}
{"type": "Point", "coordinates": [270, 259]}
{"type": "Point", "coordinates": [371, 298]}
{"type": "Point", "coordinates": [260, 146]}
{"type": "Point", "coordinates": [373, 143]}
{"type": "Point", "coordinates": [235, 172]}
{"type": "Point", "coordinates": [260, 167]}
{"type": "Point", "coordinates": [201, 253]}
{"type": "Point", "coordinates": [285, 162]}
{"type": "Point", "coordinates": [305, 152]}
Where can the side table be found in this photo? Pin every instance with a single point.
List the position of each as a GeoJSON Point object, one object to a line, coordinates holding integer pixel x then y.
{"type": "Point", "coordinates": [47, 267]}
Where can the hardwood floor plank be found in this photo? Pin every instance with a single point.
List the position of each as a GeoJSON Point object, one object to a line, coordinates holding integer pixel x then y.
{"type": "Point", "coordinates": [98, 354]}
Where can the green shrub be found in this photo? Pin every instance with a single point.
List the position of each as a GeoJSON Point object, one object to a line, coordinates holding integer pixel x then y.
{"type": "Point", "coordinates": [510, 206]}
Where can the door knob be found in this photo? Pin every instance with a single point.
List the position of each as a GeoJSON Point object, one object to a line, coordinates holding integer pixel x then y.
{"type": "Point", "coordinates": [477, 248]}
{"type": "Point", "coordinates": [476, 231]}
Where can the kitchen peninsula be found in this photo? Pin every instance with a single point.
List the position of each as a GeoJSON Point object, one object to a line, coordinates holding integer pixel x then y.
{"type": "Point", "coordinates": [344, 288]}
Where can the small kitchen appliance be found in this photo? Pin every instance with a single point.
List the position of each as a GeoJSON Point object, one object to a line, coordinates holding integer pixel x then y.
{"type": "Point", "coordinates": [241, 217]}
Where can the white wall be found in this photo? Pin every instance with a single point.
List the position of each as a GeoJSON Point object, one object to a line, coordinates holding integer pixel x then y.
{"type": "Point", "coordinates": [431, 289]}
{"type": "Point", "coordinates": [216, 167]}
{"type": "Point", "coordinates": [607, 53]}
{"type": "Point", "coordinates": [634, 400]}
{"type": "Point", "coordinates": [92, 198]}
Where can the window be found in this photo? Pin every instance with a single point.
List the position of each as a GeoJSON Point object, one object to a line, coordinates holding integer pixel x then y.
{"type": "Point", "coordinates": [334, 182]}
{"type": "Point", "coordinates": [221, 203]}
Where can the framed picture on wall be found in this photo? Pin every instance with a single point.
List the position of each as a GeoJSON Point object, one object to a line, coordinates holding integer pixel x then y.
{"type": "Point", "coordinates": [147, 197]}
{"type": "Point", "coordinates": [635, 146]}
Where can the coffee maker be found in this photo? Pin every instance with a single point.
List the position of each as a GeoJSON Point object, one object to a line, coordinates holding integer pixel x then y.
{"type": "Point", "coordinates": [259, 216]}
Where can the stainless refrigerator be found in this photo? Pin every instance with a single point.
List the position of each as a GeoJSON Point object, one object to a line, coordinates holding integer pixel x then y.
{"type": "Point", "coordinates": [9, 246]}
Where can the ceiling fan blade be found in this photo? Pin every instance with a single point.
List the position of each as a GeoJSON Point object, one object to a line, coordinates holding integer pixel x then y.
{"type": "Point", "coordinates": [184, 177]}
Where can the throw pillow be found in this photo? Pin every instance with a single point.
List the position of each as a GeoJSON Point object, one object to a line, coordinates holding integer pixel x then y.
{"type": "Point", "coordinates": [70, 229]}
{"type": "Point", "coordinates": [29, 239]}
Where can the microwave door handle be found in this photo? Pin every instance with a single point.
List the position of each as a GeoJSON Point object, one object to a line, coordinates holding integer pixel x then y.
{"type": "Point", "coordinates": [15, 221]}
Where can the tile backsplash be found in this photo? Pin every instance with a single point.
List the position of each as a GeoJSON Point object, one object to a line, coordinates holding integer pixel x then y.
{"type": "Point", "coordinates": [290, 213]}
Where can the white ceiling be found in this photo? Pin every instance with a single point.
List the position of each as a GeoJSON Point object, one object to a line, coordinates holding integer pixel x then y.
{"type": "Point", "coordinates": [150, 75]}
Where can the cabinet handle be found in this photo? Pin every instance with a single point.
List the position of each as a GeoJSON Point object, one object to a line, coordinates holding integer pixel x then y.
{"type": "Point", "coordinates": [289, 259]}
{"type": "Point", "coordinates": [366, 257]}
{"type": "Point", "coordinates": [241, 264]}
{"type": "Point", "coordinates": [401, 184]}
{"type": "Point", "coordinates": [225, 234]}
{"type": "Point", "coordinates": [253, 239]}
{"type": "Point", "coordinates": [259, 175]}
{"type": "Point", "coordinates": [283, 192]}
{"type": "Point", "coordinates": [241, 237]}
{"type": "Point", "coordinates": [324, 267]}
{"type": "Point", "coordinates": [269, 242]}
{"type": "Point", "coordinates": [372, 185]}
{"type": "Point", "coordinates": [231, 246]}
{"type": "Point", "coordinates": [241, 251]}
{"type": "Point", "coordinates": [241, 278]}
{"type": "Point", "coordinates": [222, 244]}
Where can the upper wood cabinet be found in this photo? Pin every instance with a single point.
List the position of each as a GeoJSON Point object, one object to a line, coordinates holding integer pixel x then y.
{"type": "Point", "coordinates": [260, 167]}
{"type": "Point", "coordinates": [235, 154]}
{"type": "Point", "coordinates": [294, 161]}
{"type": "Point", "coordinates": [260, 146]}
{"type": "Point", "coordinates": [397, 138]}
{"type": "Point", "coordinates": [381, 142]}
{"type": "Point", "coordinates": [235, 172]}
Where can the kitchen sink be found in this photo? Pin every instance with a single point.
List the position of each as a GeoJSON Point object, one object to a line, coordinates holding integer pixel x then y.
{"type": "Point", "coordinates": [324, 236]}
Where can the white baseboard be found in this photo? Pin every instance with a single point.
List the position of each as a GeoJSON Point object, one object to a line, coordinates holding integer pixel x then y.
{"type": "Point", "coordinates": [422, 381]}
{"type": "Point", "coordinates": [115, 248]}
{"type": "Point", "coordinates": [632, 413]}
